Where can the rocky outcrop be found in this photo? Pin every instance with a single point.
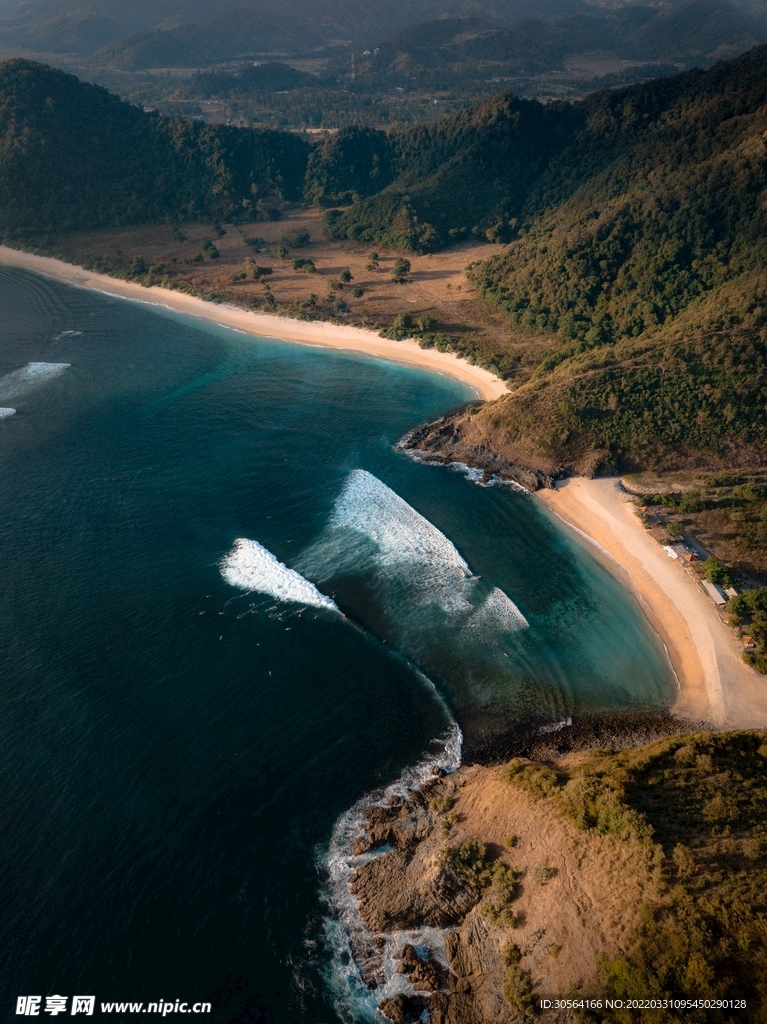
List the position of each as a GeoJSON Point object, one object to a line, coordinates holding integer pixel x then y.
{"type": "Point", "coordinates": [532, 913]}
{"type": "Point", "coordinates": [444, 442]}
{"type": "Point", "coordinates": [410, 884]}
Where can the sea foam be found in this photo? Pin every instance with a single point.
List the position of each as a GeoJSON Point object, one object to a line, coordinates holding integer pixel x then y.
{"type": "Point", "coordinates": [410, 550]}
{"type": "Point", "coordinates": [20, 381]}
{"type": "Point", "coordinates": [5, 413]}
{"type": "Point", "coordinates": [368, 506]}
{"type": "Point", "coordinates": [497, 615]}
{"type": "Point", "coordinates": [251, 567]}
{"type": "Point", "coordinates": [348, 940]}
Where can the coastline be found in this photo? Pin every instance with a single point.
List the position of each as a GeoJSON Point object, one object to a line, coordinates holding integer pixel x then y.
{"type": "Point", "coordinates": [715, 685]}
{"type": "Point", "coordinates": [325, 335]}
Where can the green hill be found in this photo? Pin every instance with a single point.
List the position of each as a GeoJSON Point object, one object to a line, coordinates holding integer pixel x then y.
{"type": "Point", "coordinates": [74, 156]}
{"type": "Point", "coordinates": [640, 266]}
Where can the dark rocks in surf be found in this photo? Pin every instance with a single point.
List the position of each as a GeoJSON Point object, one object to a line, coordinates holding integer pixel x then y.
{"type": "Point", "coordinates": [410, 885]}
{"type": "Point", "coordinates": [614, 730]}
{"type": "Point", "coordinates": [403, 1009]}
{"type": "Point", "coordinates": [441, 442]}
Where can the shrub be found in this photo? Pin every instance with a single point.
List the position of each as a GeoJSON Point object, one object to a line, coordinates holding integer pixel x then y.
{"type": "Point", "coordinates": [297, 241]}
{"type": "Point", "coordinates": [441, 804]}
{"type": "Point", "coordinates": [346, 275]}
{"type": "Point", "coordinates": [717, 572]}
{"type": "Point", "coordinates": [517, 983]}
{"type": "Point", "coordinates": [358, 292]}
{"type": "Point", "coordinates": [543, 874]}
{"type": "Point", "coordinates": [535, 778]}
{"type": "Point", "coordinates": [401, 269]}
{"type": "Point", "coordinates": [470, 860]}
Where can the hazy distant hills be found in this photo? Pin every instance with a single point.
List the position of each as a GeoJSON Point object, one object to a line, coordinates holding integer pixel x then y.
{"type": "Point", "coordinates": [688, 33]}
{"type": "Point", "coordinates": [145, 35]}
{"type": "Point", "coordinates": [409, 33]}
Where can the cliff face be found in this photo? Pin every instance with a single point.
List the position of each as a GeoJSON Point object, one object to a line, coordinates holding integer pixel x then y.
{"type": "Point", "coordinates": [526, 900]}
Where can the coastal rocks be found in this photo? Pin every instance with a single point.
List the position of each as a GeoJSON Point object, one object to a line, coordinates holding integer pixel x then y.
{"type": "Point", "coordinates": [403, 1009]}
{"type": "Point", "coordinates": [402, 822]}
{"type": "Point", "coordinates": [445, 938]}
{"type": "Point", "coordinates": [444, 442]}
{"type": "Point", "coordinates": [410, 885]}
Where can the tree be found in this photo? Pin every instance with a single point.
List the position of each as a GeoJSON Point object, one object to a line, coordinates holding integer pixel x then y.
{"type": "Point", "coordinates": [401, 270]}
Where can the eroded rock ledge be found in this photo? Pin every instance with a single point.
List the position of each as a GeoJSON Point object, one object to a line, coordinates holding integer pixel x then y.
{"type": "Point", "coordinates": [444, 441]}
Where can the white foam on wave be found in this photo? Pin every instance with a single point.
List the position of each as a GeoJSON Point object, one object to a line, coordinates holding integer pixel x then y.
{"type": "Point", "coordinates": [250, 566]}
{"type": "Point", "coordinates": [406, 545]}
{"type": "Point", "coordinates": [498, 614]}
{"type": "Point", "coordinates": [412, 549]}
{"type": "Point", "coordinates": [5, 413]}
{"type": "Point", "coordinates": [368, 506]}
{"type": "Point", "coordinates": [18, 382]}
{"type": "Point", "coordinates": [344, 927]}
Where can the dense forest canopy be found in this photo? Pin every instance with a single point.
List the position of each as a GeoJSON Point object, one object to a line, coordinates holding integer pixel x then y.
{"type": "Point", "coordinates": [74, 156]}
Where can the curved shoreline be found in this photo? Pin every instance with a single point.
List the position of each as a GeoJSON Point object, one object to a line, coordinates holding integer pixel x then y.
{"type": "Point", "coordinates": [265, 325]}
{"type": "Point", "coordinates": [715, 685]}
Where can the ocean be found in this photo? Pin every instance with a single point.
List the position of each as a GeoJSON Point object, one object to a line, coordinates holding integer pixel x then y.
{"type": "Point", "coordinates": [229, 609]}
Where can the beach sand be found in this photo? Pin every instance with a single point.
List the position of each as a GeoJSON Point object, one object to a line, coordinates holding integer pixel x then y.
{"type": "Point", "coordinates": [353, 339]}
{"type": "Point", "coordinates": [715, 685]}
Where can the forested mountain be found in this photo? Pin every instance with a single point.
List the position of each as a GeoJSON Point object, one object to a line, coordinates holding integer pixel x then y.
{"type": "Point", "coordinates": [74, 156]}
{"type": "Point", "coordinates": [641, 259]}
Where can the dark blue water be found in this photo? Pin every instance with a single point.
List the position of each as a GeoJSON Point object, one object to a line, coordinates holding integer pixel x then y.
{"type": "Point", "coordinates": [174, 749]}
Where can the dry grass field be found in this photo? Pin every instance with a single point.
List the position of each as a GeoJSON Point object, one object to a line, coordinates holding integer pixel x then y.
{"type": "Point", "coordinates": [436, 288]}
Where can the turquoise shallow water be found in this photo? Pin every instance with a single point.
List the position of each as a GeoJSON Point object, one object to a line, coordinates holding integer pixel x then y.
{"type": "Point", "coordinates": [175, 747]}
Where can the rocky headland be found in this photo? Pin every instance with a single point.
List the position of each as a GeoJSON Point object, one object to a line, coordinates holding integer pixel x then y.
{"type": "Point", "coordinates": [522, 901]}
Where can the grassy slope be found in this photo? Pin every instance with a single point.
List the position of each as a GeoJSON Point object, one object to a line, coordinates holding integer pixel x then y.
{"type": "Point", "coordinates": [699, 803]}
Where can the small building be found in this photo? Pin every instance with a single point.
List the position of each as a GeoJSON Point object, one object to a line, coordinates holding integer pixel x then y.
{"type": "Point", "coordinates": [716, 593]}
{"type": "Point", "coordinates": [749, 644]}
{"type": "Point", "coordinates": [731, 591]}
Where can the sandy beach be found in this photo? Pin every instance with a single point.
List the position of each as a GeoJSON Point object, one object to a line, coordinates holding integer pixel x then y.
{"type": "Point", "coordinates": [714, 683]}
{"type": "Point", "coordinates": [485, 384]}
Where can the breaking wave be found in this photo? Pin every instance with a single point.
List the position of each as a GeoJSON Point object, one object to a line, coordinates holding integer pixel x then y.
{"type": "Point", "coordinates": [368, 506]}
{"type": "Point", "coordinates": [28, 377]}
{"type": "Point", "coordinates": [497, 615]}
{"type": "Point", "coordinates": [251, 567]}
{"type": "Point", "coordinates": [5, 413]}
{"type": "Point", "coordinates": [346, 936]}
{"type": "Point", "coordinates": [374, 532]}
